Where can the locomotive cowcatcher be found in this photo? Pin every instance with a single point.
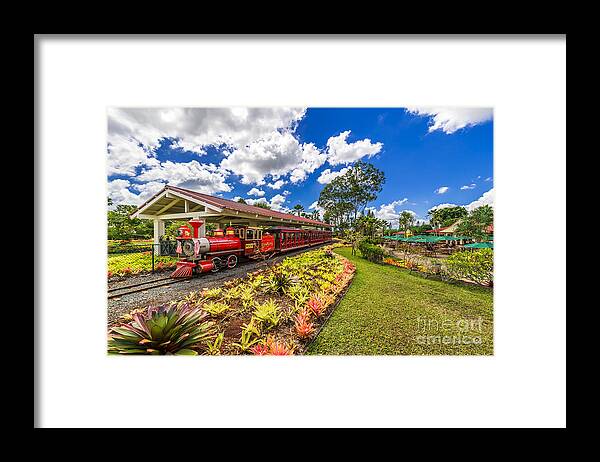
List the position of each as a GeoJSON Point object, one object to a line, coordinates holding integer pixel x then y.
{"type": "Point", "coordinates": [200, 254]}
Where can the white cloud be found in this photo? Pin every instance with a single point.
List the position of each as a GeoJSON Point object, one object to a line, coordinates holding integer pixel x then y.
{"type": "Point", "coordinates": [204, 178]}
{"type": "Point", "coordinates": [256, 192]}
{"type": "Point", "coordinates": [486, 199]}
{"type": "Point", "coordinates": [276, 155]}
{"type": "Point", "coordinates": [120, 193]}
{"type": "Point", "coordinates": [315, 206]}
{"type": "Point", "coordinates": [442, 190]}
{"type": "Point", "coordinates": [276, 202]}
{"type": "Point", "coordinates": [200, 127]}
{"type": "Point", "coordinates": [489, 178]}
{"type": "Point", "coordinates": [327, 175]}
{"type": "Point", "coordinates": [451, 119]}
{"type": "Point", "coordinates": [468, 186]}
{"type": "Point", "coordinates": [341, 152]}
{"type": "Point", "coordinates": [388, 212]}
{"type": "Point", "coordinates": [261, 200]}
{"type": "Point", "coordinates": [441, 206]}
{"type": "Point", "coordinates": [125, 155]}
{"type": "Point", "coordinates": [277, 184]}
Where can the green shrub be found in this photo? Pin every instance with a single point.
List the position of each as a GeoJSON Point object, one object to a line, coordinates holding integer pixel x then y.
{"type": "Point", "coordinates": [371, 252]}
{"type": "Point", "coordinates": [474, 265]}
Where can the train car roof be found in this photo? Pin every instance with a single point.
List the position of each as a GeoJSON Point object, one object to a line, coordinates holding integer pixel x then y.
{"type": "Point", "coordinates": [285, 228]}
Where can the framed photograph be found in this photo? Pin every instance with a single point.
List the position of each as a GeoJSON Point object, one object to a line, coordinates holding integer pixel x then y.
{"type": "Point", "coordinates": [331, 231]}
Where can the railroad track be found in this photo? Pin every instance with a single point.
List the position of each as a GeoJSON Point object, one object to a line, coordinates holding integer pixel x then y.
{"type": "Point", "coordinates": [118, 292]}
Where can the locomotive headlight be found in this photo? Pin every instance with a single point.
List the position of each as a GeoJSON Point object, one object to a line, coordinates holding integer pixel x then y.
{"type": "Point", "coordinates": [187, 246]}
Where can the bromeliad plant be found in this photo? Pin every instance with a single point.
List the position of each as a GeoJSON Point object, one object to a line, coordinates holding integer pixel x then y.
{"type": "Point", "coordinates": [270, 346]}
{"type": "Point", "coordinates": [268, 313]}
{"type": "Point", "coordinates": [212, 294]}
{"type": "Point", "coordinates": [316, 306]}
{"type": "Point", "coordinates": [168, 329]}
{"type": "Point", "coordinates": [304, 328]}
{"type": "Point", "coordinates": [215, 308]}
{"type": "Point", "coordinates": [214, 348]}
{"type": "Point", "coordinates": [250, 336]}
{"type": "Point", "coordinates": [279, 281]}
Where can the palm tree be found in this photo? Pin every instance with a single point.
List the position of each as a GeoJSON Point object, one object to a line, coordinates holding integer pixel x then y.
{"type": "Point", "coordinates": [298, 208]}
{"type": "Point", "coordinates": [406, 220]}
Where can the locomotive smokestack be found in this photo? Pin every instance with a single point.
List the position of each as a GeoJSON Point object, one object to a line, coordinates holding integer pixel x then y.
{"type": "Point", "coordinates": [196, 224]}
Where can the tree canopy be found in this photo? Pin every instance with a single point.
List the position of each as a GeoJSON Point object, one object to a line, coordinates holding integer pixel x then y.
{"type": "Point", "coordinates": [120, 226]}
{"type": "Point", "coordinates": [347, 195]}
{"type": "Point", "coordinates": [262, 205]}
{"type": "Point", "coordinates": [476, 223]}
{"type": "Point", "coordinates": [446, 216]}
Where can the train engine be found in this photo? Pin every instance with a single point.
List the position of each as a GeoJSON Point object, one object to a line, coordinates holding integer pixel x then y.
{"type": "Point", "coordinates": [200, 254]}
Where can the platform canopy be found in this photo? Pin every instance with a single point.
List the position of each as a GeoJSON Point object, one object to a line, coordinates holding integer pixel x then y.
{"type": "Point", "coordinates": [174, 203]}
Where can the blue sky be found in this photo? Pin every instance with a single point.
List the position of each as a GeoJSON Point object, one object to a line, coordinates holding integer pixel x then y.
{"type": "Point", "coordinates": [285, 156]}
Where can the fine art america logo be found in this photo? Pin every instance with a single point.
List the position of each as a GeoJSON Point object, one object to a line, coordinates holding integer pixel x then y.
{"type": "Point", "coordinates": [449, 331]}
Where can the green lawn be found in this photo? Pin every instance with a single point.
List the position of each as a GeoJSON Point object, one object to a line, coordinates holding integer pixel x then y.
{"type": "Point", "coordinates": [389, 311]}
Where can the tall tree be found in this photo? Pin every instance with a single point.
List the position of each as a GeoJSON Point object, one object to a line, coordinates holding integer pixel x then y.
{"type": "Point", "coordinates": [120, 226]}
{"type": "Point", "coordinates": [364, 181]}
{"type": "Point", "coordinates": [298, 208]}
{"type": "Point", "coordinates": [347, 196]}
{"type": "Point", "coordinates": [476, 223]}
{"type": "Point", "coordinates": [241, 201]}
{"type": "Point", "coordinates": [262, 205]}
{"type": "Point", "coordinates": [445, 216]}
{"type": "Point", "coordinates": [406, 220]}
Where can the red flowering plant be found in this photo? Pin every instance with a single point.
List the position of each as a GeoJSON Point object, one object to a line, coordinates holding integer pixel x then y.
{"type": "Point", "coordinates": [316, 306]}
{"type": "Point", "coordinates": [304, 328]}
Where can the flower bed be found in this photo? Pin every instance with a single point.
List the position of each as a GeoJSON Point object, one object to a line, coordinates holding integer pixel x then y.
{"type": "Point", "coordinates": [126, 264]}
{"type": "Point", "coordinates": [275, 311]}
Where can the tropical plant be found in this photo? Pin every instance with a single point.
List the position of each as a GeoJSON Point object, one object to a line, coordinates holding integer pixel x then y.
{"type": "Point", "coordinates": [214, 348]}
{"type": "Point", "coordinates": [277, 348]}
{"type": "Point", "coordinates": [260, 349]}
{"type": "Point", "coordinates": [445, 216]}
{"type": "Point", "coordinates": [476, 223]}
{"type": "Point", "coordinates": [250, 336]}
{"type": "Point", "coordinates": [304, 328]}
{"type": "Point", "coordinates": [212, 294]}
{"type": "Point", "coordinates": [247, 297]}
{"type": "Point", "coordinates": [473, 265]}
{"type": "Point", "coordinates": [406, 220]}
{"type": "Point", "coordinates": [167, 329]}
{"type": "Point", "coordinates": [270, 346]}
{"type": "Point", "coordinates": [268, 313]}
{"type": "Point", "coordinates": [215, 308]}
{"type": "Point", "coordinates": [299, 294]}
{"type": "Point", "coordinates": [279, 281]}
{"type": "Point", "coordinates": [316, 306]}
{"type": "Point", "coordinates": [370, 252]}
{"type": "Point", "coordinates": [298, 208]}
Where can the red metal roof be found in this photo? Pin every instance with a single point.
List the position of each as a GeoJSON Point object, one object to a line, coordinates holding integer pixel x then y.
{"type": "Point", "coordinates": [233, 205]}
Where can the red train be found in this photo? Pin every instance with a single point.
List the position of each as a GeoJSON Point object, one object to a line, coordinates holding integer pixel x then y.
{"type": "Point", "coordinates": [200, 254]}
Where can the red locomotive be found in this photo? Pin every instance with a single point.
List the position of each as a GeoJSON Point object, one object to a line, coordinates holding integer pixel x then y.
{"type": "Point", "coordinates": [200, 254]}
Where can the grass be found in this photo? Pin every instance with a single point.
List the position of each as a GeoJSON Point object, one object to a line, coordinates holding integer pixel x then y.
{"type": "Point", "coordinates": [389, 311]}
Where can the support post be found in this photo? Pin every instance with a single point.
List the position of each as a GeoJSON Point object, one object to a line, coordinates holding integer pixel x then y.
{"type": "Point", "coordinates": [159, 231]}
